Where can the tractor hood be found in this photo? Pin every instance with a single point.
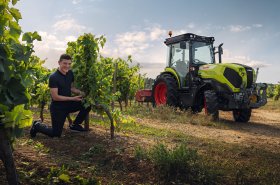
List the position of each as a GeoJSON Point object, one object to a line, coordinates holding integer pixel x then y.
{"type": "Point", "coordinates": [232, 75]}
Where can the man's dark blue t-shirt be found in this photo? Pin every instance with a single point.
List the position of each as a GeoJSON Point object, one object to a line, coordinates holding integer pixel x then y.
{"type": "Point", "coordinates": [62, 82]}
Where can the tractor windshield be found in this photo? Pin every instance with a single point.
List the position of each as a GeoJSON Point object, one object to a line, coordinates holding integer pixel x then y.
{"type": "Point", "coordinates": [202, 53]}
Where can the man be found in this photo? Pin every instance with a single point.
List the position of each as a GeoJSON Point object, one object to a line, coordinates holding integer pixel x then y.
{"type": "Point", "coordinates": [61, 87]}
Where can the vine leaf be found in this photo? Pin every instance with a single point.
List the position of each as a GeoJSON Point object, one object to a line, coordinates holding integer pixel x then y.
{"type": "Point", "coordinates": [15, 13]}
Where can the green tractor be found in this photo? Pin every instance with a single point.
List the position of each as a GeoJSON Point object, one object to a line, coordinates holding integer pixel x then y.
{"type": "Point", "coordinates": [193, 79]}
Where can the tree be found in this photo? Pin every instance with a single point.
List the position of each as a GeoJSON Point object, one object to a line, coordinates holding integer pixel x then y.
{"type": "Point", "coordinates": [93, 73]}
{"type": "Point", "coordinates": [15, 79]}
{"type": "Point", "coordinates": [276, 92]}
{"type": "Point", "coordinates": [126, 80]}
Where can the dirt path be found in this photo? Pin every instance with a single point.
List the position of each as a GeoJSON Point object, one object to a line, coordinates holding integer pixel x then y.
{"type": "Point", "coordinates": [263, 130]}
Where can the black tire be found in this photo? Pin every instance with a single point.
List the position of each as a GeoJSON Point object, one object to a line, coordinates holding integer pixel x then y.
{"type": "Point", "coordinates": [242, 115]}
{"type": "Point", "coordinates": [211, 104]}
{"type": "Point", "coordinates": [171, 92]}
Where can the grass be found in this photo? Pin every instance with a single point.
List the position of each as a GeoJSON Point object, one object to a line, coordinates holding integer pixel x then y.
{"type": "Point", "coordinates": [271, 105]}
{"type": "Point", "coordinates": [177, 165]}
{"type": "Point", "coordinates": [170, 115]}
{"type": "Point", "coordinates": [235, 163]}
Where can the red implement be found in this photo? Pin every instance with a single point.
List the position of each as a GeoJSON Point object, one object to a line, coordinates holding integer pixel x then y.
{"type": "Point", "coordinates": [144, 95]}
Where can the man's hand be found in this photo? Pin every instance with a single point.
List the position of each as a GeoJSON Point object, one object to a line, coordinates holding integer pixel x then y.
{"type": "Point", "coordinates": [77, 98]}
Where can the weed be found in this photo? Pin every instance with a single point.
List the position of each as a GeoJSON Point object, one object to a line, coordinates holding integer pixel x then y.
{"type": "Point", "coordinates": [140, 153]}
{"type": "Point", "coordinates": [82, 181]}
{"type": "Point", "coordinates": [41, 148]}
{"type": "Point", "coordinates": [58, 175]}
{"type": "Point", "coordinates": [180, 165]}
{"type": "Point", "coordinates": [271, 105]}
{"type": "Point", "coordinates": [93, 151]}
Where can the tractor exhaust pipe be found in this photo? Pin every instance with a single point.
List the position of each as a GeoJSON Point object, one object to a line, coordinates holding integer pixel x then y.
{"type": "Point", "coordinates": [220, 51]}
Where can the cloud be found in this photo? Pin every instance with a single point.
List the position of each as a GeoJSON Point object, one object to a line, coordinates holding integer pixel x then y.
{"type": "Point", "coordinates": [76, 1]}
{"type": "Point", "coordinates": [144, 44]}
{"type": "Point", "coordinates": [49, 41]}
{"type": "Point", "coordinates": [239, 28]}
{"type": "Point", "coordinates": [51, 47]}
{"type": "Point", "coordinates": [136, 42]}
{"type": "Point", "coordinates": [227, 57]}
{"type": "Point", "coordinates": [68, 25]}
{"type": "Point", "coordinates": [130, 43]}
{"type": "Point", "coordinates": [191, 26]}
{"type": "Point", "coordinates": [70, 38]}
{"type": "Point", "coordinates": [257, 25]}
{"type": "Point", "coordinates": [157, 33]}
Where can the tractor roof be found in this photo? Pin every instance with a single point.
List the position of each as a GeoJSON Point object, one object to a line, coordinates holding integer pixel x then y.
{"type": "Point", "coordinates": [188, 37]}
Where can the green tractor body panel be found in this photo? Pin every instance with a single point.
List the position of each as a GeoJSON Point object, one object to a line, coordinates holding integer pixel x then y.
{"type": "Point", "coordinates": [233, 76]}
{"type": "Point", "coordinates": [172, 72]}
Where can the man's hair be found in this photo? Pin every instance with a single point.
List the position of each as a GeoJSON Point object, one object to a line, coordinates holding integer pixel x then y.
{"type": "Point", "coordinates": [64, 56]}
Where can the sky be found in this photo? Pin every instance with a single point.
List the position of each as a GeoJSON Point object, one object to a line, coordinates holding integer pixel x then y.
{"type": "Point", "coordinates": [250, 30]}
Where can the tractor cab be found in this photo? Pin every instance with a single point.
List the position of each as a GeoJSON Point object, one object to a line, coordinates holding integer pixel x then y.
{"type": "Point", "coordinates": [186, 53]}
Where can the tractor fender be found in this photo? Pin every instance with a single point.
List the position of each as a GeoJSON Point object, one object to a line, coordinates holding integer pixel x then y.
{"type": "Point", "coordinates": [172, 72]}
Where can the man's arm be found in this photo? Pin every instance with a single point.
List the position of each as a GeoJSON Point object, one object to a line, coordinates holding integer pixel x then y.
{"type": "Point", "coordinates": [56, 97]}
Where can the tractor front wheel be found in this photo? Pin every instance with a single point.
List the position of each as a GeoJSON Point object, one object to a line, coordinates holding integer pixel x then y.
{"type": "Point", "coordinates": [165, 91]}
{"type": "Point", "coordinates": [242, 115]}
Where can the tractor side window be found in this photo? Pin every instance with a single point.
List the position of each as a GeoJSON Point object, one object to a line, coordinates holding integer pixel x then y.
{"type": "Point", "coordinates": [179, 59]}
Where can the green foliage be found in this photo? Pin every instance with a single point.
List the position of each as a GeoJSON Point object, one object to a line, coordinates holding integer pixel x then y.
{"type": "Point", "coordinates": [179, 165]}
{"type": "Point", "coordinates": [140, 153]}
{"type": "Point", "coordinates": [61, 176]}
{"type": "Point", "coordinates": [273, 91]}
{"type": "Point", "coordinates": [42, 93]}
{"type": "Point", "coordinates": [121, 119]}
{"type": "Point", "coordinates": [15, 69]}
{"type": "Point", "coordinates": [58, 175]}
{"type": "Point", "coordinates": [93, 73]}
{"type": "Point", "coordinates": [276, 92]}
{"type": "Point", "coordinates": [39, 91]}
{"type": "Point", "coordinates": [128, 81]}
{"type": "Point", "coordinates": [137, 83]}
{"type": "Point", "coordinates": [82, 181]}
{"type": "Point", "coordinates": [17, 116]}
{"type": "Point", "coordinates": [93, 151]}
{"type": "Point", "coordinates": [149, 83]}
{"type": "Point", "coordinates": [270, 90]}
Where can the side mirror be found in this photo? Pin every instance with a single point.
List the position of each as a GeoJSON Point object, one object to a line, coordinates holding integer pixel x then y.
{"type": "Point", "coordinates": [183, 45]}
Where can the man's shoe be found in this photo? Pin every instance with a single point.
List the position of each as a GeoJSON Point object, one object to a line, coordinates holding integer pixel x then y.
{"type": "Point", "coordinates": [33, 130]}
{"type": "Point", "coordinates": [77, 128]}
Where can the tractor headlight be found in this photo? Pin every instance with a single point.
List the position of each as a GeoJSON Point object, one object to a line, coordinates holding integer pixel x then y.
{"type": "Point", "coordinates": [253, 98]}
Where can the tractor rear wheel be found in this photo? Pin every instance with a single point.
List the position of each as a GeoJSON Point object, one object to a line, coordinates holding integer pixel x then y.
{"type": "Point", "coordinates": [211, 104]}
{"type": "Point", "coordinates": [165, 91]}
{"type": "Point", "coordinates": [242, 115]}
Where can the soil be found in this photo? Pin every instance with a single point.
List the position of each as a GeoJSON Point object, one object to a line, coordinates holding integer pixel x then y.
{"type": "Point", "coordinates": [113, 161]}
{"type": "Point", "coordinates": [263, 129]}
